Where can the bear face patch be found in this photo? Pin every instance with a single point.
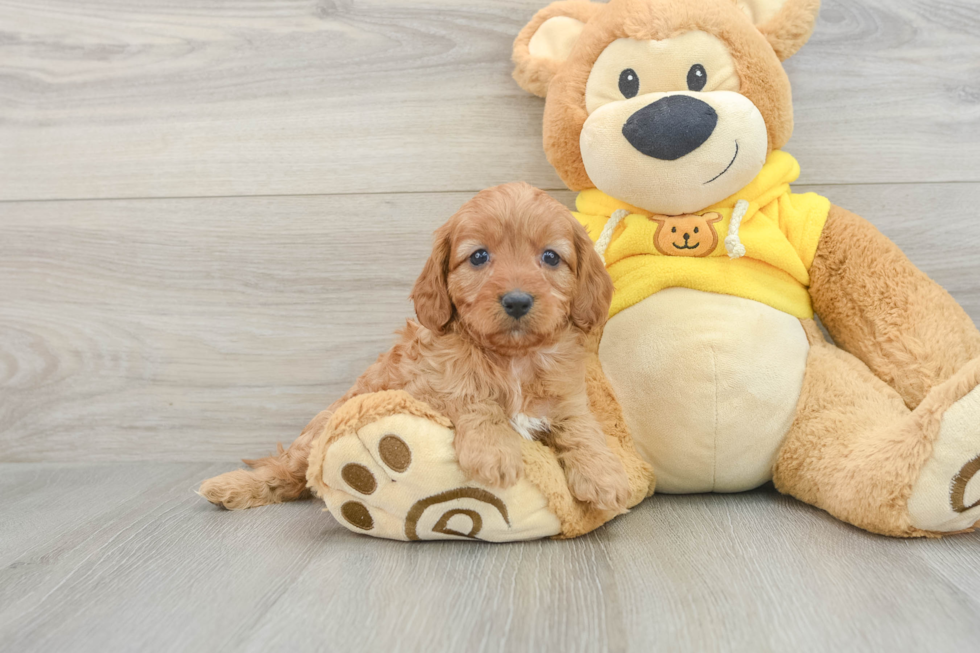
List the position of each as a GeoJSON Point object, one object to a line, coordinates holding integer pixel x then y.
{"type": "Point", "coordinates": [686, 235]}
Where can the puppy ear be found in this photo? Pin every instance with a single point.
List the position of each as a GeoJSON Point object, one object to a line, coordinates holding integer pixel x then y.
{"type": "Point", "coordinates": [544, 43]}
{"type": "Point", "coordinates": [430, 294]}
{"type": "Point", "coordinates": [590, 306]}
{"type": "Point", "coordinates": [786, 24]}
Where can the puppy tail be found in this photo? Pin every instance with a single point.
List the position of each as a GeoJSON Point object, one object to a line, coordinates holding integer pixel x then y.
{"type": "Point", "coordinates": [273, 479]}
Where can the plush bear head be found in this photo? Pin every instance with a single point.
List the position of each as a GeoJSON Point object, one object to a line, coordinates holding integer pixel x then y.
{"type": "Point", "coordinates": [668, 105]}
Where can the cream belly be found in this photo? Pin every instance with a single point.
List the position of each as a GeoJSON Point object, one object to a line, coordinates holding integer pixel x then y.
{"type": "Point", "coordinates": [709, 385]}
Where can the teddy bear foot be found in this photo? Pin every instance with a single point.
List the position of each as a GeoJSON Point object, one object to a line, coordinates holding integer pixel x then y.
{"type": "Point", "coordinates": [946, 496]}
{"type": "Point", "coordinates": [385, 466]}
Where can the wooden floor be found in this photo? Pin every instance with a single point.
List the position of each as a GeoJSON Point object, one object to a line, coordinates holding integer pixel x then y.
{"type": "Point", "coordinates": [124, 557]}
{"type": "Point", "coordinates": [211, 212]}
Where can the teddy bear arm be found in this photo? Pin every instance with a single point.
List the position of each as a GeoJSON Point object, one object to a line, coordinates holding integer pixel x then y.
{"type": "Point", "coordinates": [882, 309]}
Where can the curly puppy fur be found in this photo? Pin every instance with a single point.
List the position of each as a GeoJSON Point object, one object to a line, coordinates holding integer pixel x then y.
{"type": "Point", "coordinates": [485, 370]}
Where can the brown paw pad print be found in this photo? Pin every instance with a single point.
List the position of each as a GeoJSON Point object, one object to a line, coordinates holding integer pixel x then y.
{"type": "Point", "coordinates": [357, 515]}
{"type": "Point", "coordinates": [957, 494]}
{"type": "Point", "coordinates": [395, 453]}
{"type": "Point", "coordinates": [397, 456]}
{"type": "Point", "coordinates": [359, 478]}
{"type": "Point", "coordinates": [396, 476]}
{"type": "Point", "coordinates": [475, 495]}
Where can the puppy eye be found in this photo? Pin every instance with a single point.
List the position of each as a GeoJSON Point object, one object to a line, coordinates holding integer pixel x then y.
{"type": "Point", "coordinates": [695, 229]}
{"type": "Point", "coordinates": [479, 257]}
{"type": "Point", "coordinates": [550, 258]}
{"type": "Point", "coordinates": [673, 230]}
{"type": "Point", "coordinates": [629, 83]}
{"type": "Point", "coordinates": [697, 77]}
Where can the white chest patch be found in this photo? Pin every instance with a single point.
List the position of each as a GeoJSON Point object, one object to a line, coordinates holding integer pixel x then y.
{"type": "Point", "coordinates": [530, 428]}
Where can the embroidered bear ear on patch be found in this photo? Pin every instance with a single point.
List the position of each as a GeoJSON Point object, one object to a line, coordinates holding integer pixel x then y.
{"type": "Point", "coordinates": [686, 235]}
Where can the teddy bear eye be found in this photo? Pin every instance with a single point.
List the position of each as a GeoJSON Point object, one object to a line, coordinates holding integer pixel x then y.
{"type": "Point", "coordinates": [673, 230]}
{"type": "Point", "coordinates": [629, 83]}
{"type": "Point", "coordinates": [695, 229]}
{"type": "Point", "coordinates": [697, 77]}
{"type": "Point", "coordinates": [479, 257]}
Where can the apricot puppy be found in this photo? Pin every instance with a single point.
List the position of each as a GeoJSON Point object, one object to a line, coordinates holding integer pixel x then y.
{"type": "Point", "coordinates": [504, 302]}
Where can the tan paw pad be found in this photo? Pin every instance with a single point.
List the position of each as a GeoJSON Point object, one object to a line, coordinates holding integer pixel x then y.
{"type": "Point", "coordinates": [396, 476]}
{"type": "Point", "coordinates": [946, 496]}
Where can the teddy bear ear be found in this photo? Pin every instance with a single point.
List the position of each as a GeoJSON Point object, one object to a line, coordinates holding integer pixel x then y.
{"type": "Point", "coordinates": [786, 24]}
{"type": "Point", "coordinates": [545, 42]}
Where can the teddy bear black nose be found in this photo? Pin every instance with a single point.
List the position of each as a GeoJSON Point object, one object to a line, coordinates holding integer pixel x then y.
{"type": "Point", "coordinates": [671, 127]}
{"type": "Point", "coordinates": [516, 303]}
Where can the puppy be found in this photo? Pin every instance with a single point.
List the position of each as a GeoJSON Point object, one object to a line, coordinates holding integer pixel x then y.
{"type": "Point", "coordinates": [503, 303]}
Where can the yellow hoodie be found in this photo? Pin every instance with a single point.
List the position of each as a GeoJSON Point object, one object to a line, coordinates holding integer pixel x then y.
{"type": "Point", "coordinates": [765, 256]}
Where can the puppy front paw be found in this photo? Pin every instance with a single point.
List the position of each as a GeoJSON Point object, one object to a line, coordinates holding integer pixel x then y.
{"type": "Point", "coordinates": [599, 481]}
{"type": "Point", "coordinates": [495, 464]}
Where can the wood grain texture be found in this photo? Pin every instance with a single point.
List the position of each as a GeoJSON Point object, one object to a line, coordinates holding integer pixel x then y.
{"type": "Point", "coordinates": [209, 329]}
{"type": "Point", "coordinates": [153, 330]}
{"type": "Point", "coordinates": [164, 98]}
{"type": "Point", "coordinates": [131, 560]}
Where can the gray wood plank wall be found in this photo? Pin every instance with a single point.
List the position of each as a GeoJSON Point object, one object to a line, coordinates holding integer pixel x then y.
{"type": "Point", "coordinates": [211, 212]}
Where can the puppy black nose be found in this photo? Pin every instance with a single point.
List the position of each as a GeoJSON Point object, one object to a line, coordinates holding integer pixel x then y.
{"type": "Point", "coordinates": [671, 127]}
{"type": "Point", "coordinates": [516, 303]}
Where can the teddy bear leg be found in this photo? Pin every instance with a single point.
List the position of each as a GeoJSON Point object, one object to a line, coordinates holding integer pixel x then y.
{"type": "Point", "coordinates": [946, 495]}
{"type": "Point", "coordinates": [385, 465]}
{"type": "Point", "coordinates": [858, 452]}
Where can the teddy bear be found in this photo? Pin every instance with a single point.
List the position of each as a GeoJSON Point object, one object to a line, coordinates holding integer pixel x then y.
{"type": "Point", "coordinates": [669, 118]}
{"type": "Point", "coordinates": [660, 108]}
